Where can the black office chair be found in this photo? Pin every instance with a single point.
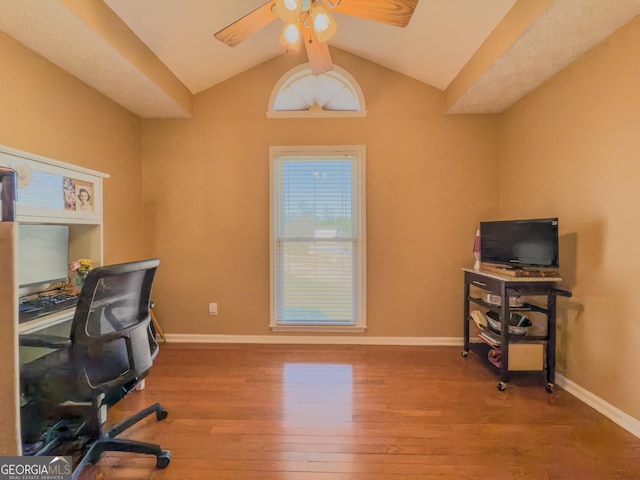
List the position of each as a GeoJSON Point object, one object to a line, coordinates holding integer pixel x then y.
{"type": "Point", "coordinates": [110, 350]}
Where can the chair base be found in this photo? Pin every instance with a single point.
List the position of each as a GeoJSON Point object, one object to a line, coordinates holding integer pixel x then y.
{"type": "Point", "coordinates": [109, 443]}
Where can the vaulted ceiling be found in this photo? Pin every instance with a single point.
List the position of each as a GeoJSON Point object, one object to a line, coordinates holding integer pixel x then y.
{"type": "Point", "coordinates": [152, 56]}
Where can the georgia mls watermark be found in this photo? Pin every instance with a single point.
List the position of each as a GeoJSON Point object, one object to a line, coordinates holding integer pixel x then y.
{"type": "Point", "coordinates": [35, 468]}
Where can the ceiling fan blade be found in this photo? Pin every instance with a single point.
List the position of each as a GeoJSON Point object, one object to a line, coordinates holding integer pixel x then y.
{"type": "Point", "coordinates": [243, 28]}
{"type": "Point", "coordinates": [392, 12]}
{"type": "Point", "coordinates": [317, 52]}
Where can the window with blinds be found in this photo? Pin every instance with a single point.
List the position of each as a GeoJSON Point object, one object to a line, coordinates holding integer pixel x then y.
{"type": "Point", "coordinates": [317, 238]}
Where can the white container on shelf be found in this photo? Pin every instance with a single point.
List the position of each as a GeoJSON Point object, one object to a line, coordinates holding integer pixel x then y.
{"type": "Point", "coordinates": [497, 300]}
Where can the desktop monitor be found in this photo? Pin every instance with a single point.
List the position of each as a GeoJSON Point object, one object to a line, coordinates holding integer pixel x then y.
{"type": "Point", "coordinates": [43, 254]}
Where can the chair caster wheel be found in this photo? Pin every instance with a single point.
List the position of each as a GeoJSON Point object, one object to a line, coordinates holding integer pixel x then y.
{"type": "Point", "coordinates": [501, 386]}
{"type": "Point", "coordinates": [161, 414]}
{"type": "Point", "coordinates": [163, 459]}
{"type": "Point", "coordinates": [550, 387]}
{"type": "Point", "coordinates": [465, 353]}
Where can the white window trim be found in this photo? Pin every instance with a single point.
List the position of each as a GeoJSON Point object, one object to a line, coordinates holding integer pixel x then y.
{"type": "Point", "coordinates": [358, 151]}
{"type": "Point", "coordinates": [353, 83]}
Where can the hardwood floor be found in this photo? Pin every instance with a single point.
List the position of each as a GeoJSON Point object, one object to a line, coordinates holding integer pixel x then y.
{"type": "Point", "coordinates": [319, 412]}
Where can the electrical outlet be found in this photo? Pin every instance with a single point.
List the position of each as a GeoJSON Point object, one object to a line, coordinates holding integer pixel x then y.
{"type": "Point", "coordinates": [213, 309]}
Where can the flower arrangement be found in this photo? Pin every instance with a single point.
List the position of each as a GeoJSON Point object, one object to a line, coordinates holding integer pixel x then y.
{"type": "Point", "coordinates": [82, 266]}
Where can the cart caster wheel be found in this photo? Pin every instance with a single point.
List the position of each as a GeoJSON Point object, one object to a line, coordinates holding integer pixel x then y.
{"type": "Point", "coordinates": [501, 386]}
{"type": "Point", "coordinates": [550, 387]}
{"type": "Point", "coordinates": [163, 460]}
{"type": "Point", "coordinates": [465, 353]}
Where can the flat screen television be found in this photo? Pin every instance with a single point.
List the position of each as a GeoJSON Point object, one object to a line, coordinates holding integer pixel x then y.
{"type": "Point", "coordinates": [520, 243]}
{"type": "Point", "coordinates": [43, 254]}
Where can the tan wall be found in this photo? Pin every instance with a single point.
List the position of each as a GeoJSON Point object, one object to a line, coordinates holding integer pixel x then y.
{"type": "Point", "coordinates": [48, 112]}
{"type": "Point", "coordinates": [571, 150]}
{"type": "Point", "coordinates": [429, 181]}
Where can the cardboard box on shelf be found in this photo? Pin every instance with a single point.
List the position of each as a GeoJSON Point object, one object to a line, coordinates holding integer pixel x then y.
{"type": "Point", "coordinates": [526, 356]}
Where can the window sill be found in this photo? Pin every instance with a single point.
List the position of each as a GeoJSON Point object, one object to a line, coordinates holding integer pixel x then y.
{"type": "Point", "coordinates": [319, 328]}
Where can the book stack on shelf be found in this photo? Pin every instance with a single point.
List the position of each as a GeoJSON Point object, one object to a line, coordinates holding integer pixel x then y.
{"type": "Point", "coordinates": [489, 337]}
{"type": "Point", "coordinates": [492, 339]}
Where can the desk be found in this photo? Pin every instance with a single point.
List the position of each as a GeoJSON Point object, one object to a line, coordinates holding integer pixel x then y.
{"type": "Point", "coordinates": [57, 324]}
{"type": "Point", "coordinates": [46, 321]}
{"type": "Point", "coordinates": [85, 241]}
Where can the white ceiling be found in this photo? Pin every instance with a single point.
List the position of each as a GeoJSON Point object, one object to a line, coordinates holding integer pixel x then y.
{"type": "Point", "coordinates": [438, 42]}
{"type": "Point", "coordinates": [440, 38]}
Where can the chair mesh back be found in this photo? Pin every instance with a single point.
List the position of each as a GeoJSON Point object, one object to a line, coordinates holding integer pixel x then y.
{"type": "Point", "coordinates": [111, 332]}
{"type": "Point", "coordinates": [116, 304]}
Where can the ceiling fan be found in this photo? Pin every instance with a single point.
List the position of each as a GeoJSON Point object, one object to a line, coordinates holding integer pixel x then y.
{"type": "Point", "coordinates": [310, 22]}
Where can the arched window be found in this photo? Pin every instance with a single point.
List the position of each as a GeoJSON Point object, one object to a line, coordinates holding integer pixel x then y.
{"type": "Point", "coordinates": [300, 93]}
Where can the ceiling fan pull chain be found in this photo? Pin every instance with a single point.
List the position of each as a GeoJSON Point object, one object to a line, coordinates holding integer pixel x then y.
{"type": "Point", "coordinates": [305, 19]}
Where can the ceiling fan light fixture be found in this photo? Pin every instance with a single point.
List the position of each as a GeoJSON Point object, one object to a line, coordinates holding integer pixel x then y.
{"type": "Point", "coordinates": [323, 23]}
{"type": "Point", "coordinates": [288, 10]}
{"type": "Point", "coordinates": [291, 37]}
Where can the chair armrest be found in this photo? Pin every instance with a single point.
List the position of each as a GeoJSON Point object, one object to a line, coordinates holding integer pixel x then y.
{"type": "Point", "coordinates": [40, 340]}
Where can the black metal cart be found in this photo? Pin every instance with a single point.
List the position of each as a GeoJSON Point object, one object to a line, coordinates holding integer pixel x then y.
{"type": "Point", "coordinates": [508, 287]}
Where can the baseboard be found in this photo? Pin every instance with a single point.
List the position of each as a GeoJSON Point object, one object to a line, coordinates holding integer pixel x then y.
{"type": "Point", "coordinates": [626, 421]}
{"type": "Point", "coordinates": [316, 340]}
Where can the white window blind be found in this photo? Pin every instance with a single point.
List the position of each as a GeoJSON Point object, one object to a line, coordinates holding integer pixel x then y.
{"type": "Point", "coordinates": [317, 242]}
